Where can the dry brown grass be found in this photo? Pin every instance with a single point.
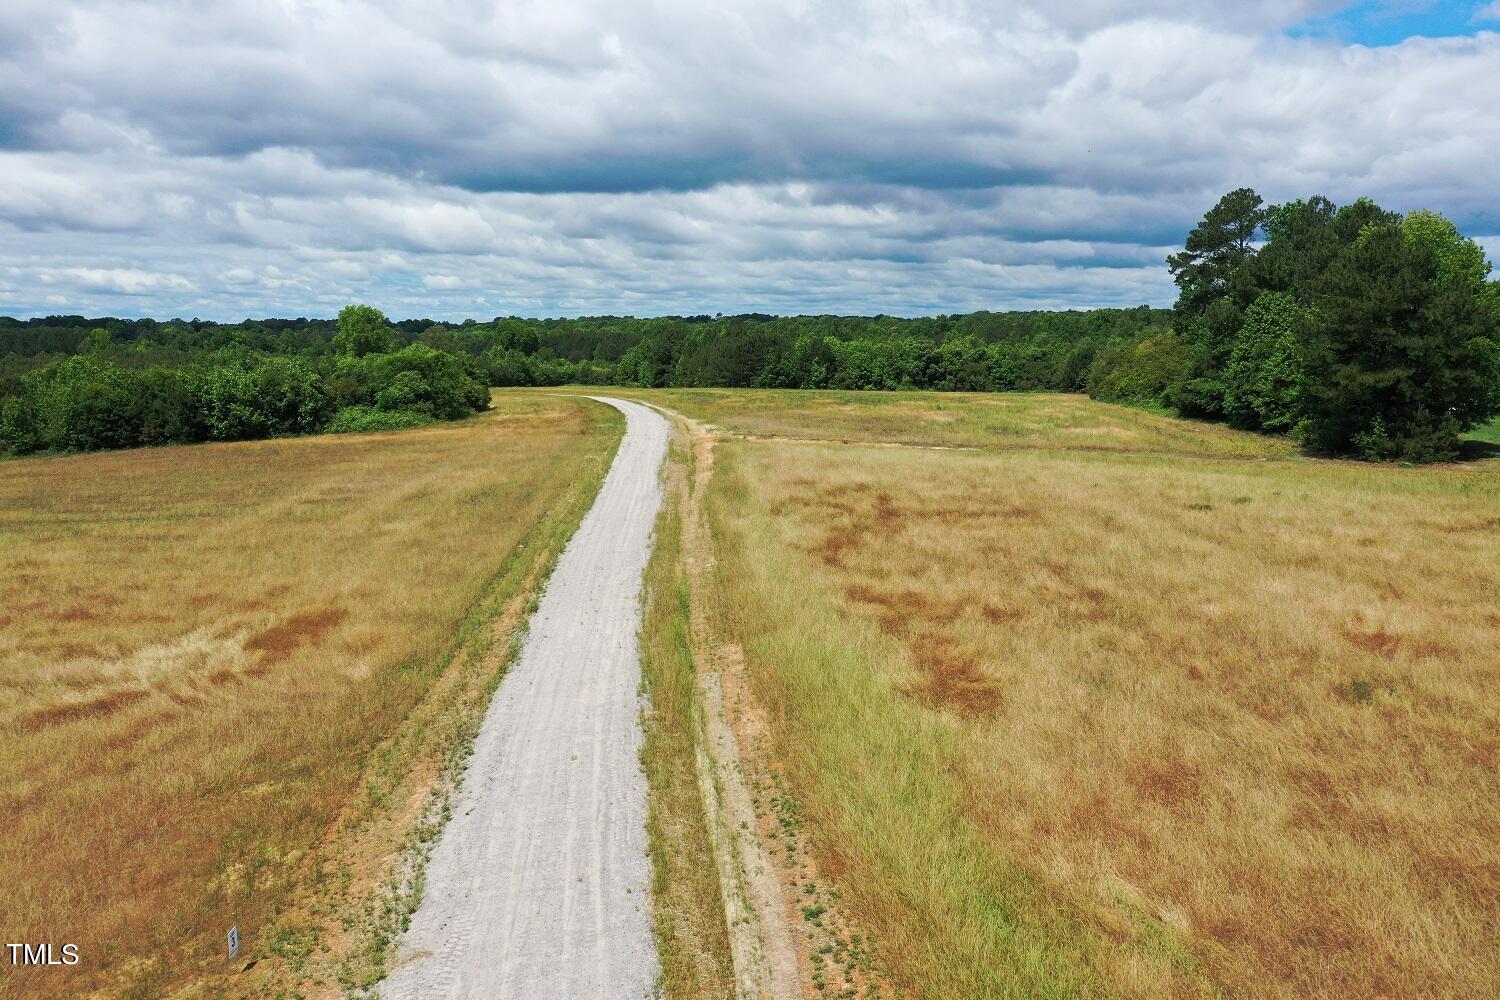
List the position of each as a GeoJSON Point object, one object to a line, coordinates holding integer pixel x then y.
{"type": "Point", "coordinates": [201, 645]}
{"type": "Point", "coordinates": [1144, 721]}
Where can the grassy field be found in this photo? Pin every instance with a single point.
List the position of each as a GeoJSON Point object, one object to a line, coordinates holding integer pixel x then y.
{"type": "Point", "coordinates": [960, 420]}
{"type": "Point", "coordinates": [202, 646]}
{"type": "Point", "coordinates": [1117, 704]}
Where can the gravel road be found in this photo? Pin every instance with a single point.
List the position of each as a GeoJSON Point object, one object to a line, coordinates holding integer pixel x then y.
{"type": "Point", "coordinates": [539, 885]}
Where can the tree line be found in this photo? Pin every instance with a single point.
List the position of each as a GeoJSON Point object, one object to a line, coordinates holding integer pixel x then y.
{"type": "Point", "coordinates": [1355, 330]}
{"type": "Point", "coordinates": [97, 398]}
{"type": "Point", "coordinates": [75, 383]}
{"type": "Point", "coordinates": [1023, 350]}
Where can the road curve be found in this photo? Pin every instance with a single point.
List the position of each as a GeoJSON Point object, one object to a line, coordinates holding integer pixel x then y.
{"type": "Point", "coordinates": [539, 885]}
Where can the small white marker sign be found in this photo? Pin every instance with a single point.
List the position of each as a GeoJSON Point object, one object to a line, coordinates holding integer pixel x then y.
{"type": "Point", "coordinates": [234, 942]}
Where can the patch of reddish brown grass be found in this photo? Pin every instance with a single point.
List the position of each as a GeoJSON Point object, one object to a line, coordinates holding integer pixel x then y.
{"type": "Point", "coordinates": [305, 628]}
{"type": "Point", "coordinates": [76, 711]}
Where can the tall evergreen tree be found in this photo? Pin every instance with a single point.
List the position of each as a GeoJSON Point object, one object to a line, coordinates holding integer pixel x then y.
{"type": "Point", "coordinates": [1210, 264]}
{"type": "Point", "coordinates": [1300, 244]}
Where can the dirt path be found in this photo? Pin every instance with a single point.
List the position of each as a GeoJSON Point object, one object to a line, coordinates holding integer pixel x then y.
{"type": "Point", "coordinates": [761, 939]}
{"type": "Point", "coordinates": [539, 885]}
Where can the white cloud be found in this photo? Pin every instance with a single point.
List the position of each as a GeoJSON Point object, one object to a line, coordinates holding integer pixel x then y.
{"type": "Point", "coordinates": [124, 280]}
{"type": "Point", "coordinates": [871, 155]}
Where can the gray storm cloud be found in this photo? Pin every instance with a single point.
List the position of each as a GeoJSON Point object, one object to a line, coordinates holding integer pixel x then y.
{"type": "Point", "coordinates": [473, 158]}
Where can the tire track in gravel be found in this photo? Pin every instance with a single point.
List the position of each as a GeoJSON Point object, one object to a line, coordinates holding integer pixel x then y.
{"type": "Point", "coordinates": [539, 886]}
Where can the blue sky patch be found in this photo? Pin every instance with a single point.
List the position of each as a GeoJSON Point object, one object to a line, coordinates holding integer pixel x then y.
{"type": "Point", "coordinates": [1391, 22]}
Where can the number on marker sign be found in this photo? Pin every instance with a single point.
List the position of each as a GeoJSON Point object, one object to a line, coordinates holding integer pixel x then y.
{"type": "Point", "coordinates": [234, 942]}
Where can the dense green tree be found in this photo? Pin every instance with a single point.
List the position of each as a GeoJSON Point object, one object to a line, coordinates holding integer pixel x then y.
{"type": "Point", "coordinates": [730, 355]}
{"type": "Point", "coordinates": [1300, 244]}
{"type": "Point", "coordinates": [1209, 337]}
{"type": "Point", "coordinates": [1399, 358]}
{"type": "Point", "coordinates": [963, 365]}
{"type": "Point", "coordinates": [422, 380]}
{"type": "Point", "coordinates": [1264, 379]}
{"type": "Point", "coordinates": [914, 361]}
{"type": "Point", "coordinates": [363, 330]}
{"type": "Point", "coordinates": [97, 342]}
{"type": "Point", "coordinates": [1074, 372]}
{"type": "Point", "coordinates": [290, 393]}
{"type": "Point", "coordinates": [518, 335]}
{"type": "Point", "coordinates": [441, 338]}
{"type": "Point", "coordinates": [812, 359]}
{"type": "Point", "coordinates": [508, 367]}
{"type": "Point", "coordinates": [1459, 259]}
{"type": "Point", "coordinates": [650, 362]}
{"type": "Point", "coordinates": [407, 390]}
{"type": "Point", "coordinates": [20, 421]}
{"type": "Point", "coordinates": [84, 403]}
{"type": "Point", "coordinates": [1140, 370]}
{"type": "Point", "coordinates": [165, 409]}
{"type": "Point", "coordinates": [273, 397]}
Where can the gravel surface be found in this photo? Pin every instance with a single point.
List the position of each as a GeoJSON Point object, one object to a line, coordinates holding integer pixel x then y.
{"type": "Point", "coordinates": [539, 885]}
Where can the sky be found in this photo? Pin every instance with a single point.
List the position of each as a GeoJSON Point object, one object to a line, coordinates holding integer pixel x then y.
{"type": "Point", "coordinates": [474, 159]}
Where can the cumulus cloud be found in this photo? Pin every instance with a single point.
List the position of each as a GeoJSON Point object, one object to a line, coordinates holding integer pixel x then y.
{"type": "Point", "coordinates": [853, 155]}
